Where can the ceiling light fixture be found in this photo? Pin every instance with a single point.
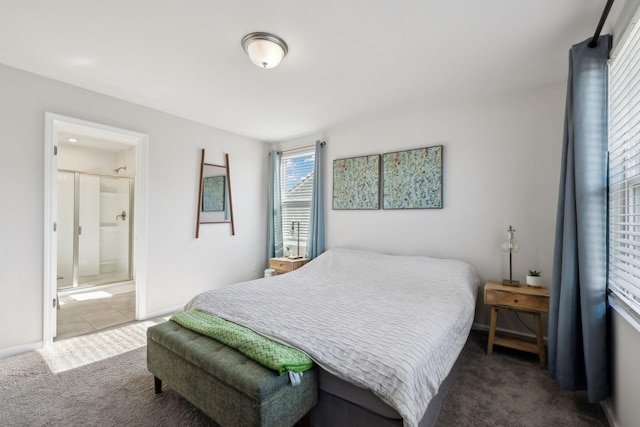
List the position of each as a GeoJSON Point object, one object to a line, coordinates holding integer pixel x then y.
{"type": "Point", "coordinates": [264, 49]}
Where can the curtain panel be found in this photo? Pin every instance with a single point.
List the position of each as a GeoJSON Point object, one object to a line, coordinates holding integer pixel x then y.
{"type": "Point", "coordinates": [274, 237]}
{"type": "Point", "coordinates": [315, 245]}
{"type": "Point", "coordinates": [578, 341]}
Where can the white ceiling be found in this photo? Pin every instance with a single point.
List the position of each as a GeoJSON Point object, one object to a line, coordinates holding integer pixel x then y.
{"type": "Point", "coordinates": [348, 59]}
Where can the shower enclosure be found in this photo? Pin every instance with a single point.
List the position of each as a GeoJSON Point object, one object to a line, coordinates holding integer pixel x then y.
{"type": "Point", "coordinates": [94, 229]}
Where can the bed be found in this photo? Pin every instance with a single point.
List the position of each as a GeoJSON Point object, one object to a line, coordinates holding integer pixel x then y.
{"type": "Point", "coordinates": [384, 331]}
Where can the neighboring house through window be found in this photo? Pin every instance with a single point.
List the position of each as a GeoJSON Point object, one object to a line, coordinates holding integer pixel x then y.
{"type": "Point", "coordinates": [296, 180]}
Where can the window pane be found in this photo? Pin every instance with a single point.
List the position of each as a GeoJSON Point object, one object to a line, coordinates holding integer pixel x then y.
{"type": "Point", "coordinates": [624, 173]}
{"type": "Point", "coordinates": [297, 185]}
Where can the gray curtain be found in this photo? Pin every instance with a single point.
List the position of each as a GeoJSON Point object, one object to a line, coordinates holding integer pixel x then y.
{"type": "Point", "coordinates": [315, 241]}
{"type": "Point", "coordinates": [275, 218]}
{"type": "Point", "coordinates": [578, 341]}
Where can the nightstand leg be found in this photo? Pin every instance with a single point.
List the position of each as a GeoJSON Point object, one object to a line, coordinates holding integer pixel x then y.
{"type": "Point", "coordinates": [540, 340]}
{"type": "Point", "coordinates": [492, 329]}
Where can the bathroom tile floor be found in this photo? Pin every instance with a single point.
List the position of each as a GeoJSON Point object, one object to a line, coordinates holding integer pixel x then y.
{"type": "Point", "coordinates": [96, 310]}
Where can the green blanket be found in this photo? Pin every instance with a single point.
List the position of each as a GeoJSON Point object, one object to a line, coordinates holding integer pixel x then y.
{"type": "Point", "coordinates": [271, 354]}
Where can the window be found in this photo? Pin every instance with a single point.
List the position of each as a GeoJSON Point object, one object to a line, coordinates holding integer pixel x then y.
{"type": "Point", "coordinates": [296, 180]}
{"type": "Point", "coordinates": [624, 172]}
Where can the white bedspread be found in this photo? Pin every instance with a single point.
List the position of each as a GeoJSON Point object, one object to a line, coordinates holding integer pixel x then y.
{"type": "Point", "coordinates": [392, 324]}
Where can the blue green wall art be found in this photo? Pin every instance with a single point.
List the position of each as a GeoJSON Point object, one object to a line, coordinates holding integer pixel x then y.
{"type": "Point", "coordinates": [213, 193]}
{"type": "Point", "coordinates": [356, 183]}
{"type": "Point", "coordinates": [412, 179]}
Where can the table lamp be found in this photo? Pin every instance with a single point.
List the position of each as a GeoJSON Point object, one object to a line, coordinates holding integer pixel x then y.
{"type": "Point", "coordinates": [510, 245]}
{"type": "Point", "coordinates": [293, 233]}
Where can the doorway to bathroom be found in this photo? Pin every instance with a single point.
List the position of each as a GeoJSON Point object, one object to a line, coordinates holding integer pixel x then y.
{"type": "Point", "coordinates": [94, 272]}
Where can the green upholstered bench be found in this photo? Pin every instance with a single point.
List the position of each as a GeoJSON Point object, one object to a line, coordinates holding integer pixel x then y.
{"type": "Point", "coordinates": [223, 383]}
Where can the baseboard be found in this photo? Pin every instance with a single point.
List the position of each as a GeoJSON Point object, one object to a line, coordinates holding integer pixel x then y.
{"type": "Point", "coordinates": [162, 312]}
{"type": "Point", "coordinates": [607, 408]}
{"type": "Point", "coordinates": [480, 327]}
{"type": "Point", "coordinates": [13, 351]}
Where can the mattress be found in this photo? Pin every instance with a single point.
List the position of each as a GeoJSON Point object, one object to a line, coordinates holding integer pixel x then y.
{"type": "Point", "coordinates": [391, 325]}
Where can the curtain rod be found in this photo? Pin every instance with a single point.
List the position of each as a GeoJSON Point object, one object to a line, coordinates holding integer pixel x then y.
{"type": "Point", "coordinates": [594, 41]}
{"type": "Point", "coordinates": [322, 144]}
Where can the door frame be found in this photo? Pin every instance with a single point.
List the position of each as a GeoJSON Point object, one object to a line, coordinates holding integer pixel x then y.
{"type": "Point", "coordinates": [52, 124]}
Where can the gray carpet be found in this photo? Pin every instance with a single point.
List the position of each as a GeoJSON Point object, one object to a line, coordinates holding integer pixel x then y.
{"type": "Point", "coordinates": [79, 382]}
{"type": "Point", "coordinates": [510, 389]}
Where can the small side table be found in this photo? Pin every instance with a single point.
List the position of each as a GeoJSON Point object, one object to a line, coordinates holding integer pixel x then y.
{"type": "Point", "coordinates": [517, 298]}
{"type": "Point", "coordinates": [285, 265]}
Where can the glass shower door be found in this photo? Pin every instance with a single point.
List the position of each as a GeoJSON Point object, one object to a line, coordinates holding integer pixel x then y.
{"type": "Point", "coordinates": [88, 217]}
{"type": "Point", "coordinates": [115, 229]}
{"type": "Point", "coordinates": [94, 229]}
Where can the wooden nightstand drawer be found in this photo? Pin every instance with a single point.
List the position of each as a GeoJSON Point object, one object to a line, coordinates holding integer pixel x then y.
{"type": "Point", "coordinates": [285, 265]}
{"type": "Point", "coordinates": [281, 266]}
{"type": "Point", "coordinates": [524, 298]}
{"type": "Point", "coordinates": [520, 301]}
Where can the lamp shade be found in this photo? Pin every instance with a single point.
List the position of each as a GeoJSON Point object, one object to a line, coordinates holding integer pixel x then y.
{"type": "Point", "coordinates": [511, 244]}
{"type": "Point", "coordinates": [264, 49]}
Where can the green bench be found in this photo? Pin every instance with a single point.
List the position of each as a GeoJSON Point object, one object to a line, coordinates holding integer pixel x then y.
{"type": "Point", "coordinates": [223, 383]}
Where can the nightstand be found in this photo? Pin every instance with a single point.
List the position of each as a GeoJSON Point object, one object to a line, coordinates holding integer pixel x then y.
{"type": "Point", "coordinates": [522, 299]}
{"type": "Point", "coordinates": [285, 265]}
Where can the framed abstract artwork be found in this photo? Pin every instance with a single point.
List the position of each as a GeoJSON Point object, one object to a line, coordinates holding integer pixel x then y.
{"type": "Point", "coordinates": [213, 193]}
{"type": "Point", "coordinates": [356, 183]}
{"type": "Point", "coordinates": [412, 179]}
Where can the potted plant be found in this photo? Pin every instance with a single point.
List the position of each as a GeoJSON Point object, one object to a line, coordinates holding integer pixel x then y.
{"type": "Point", "coordinates": [288, 251]}
{"type": "Point", "coordinates": [534, 279]}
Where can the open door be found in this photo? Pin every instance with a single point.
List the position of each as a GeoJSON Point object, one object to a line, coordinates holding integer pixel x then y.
{"type": "Point", "coordinates": [88, 233]}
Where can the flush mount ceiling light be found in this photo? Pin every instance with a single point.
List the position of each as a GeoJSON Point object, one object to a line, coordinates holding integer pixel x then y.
{"type": "Point", "coordinates": [264, 49]}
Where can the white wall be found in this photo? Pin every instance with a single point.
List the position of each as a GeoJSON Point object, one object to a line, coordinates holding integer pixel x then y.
{"type": "Point", "coordinates": [179, 266]}
{"type": "Point", "coordinates": [501, 167]}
